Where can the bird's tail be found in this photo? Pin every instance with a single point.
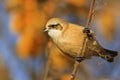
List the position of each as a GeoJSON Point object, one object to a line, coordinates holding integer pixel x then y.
{"type": "Point", "coordinates": [108, 55]}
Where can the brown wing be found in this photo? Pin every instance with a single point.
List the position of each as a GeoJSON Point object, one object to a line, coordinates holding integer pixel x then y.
{"type": "Point", "coordinates": [93, 48]}
{"type": "Point", "coordinates": [71, 40]}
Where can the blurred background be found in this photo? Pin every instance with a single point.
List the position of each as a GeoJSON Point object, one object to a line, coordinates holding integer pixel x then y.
{"type": "Point", "coordinates": [26, 53]}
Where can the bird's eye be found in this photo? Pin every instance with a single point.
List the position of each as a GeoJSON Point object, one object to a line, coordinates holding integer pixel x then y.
{"type": "Point", "coordinates": [53, 25]}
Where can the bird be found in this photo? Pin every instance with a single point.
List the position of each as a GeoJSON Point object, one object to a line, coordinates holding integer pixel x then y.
{"type": "Point", "coordinates": [69, 37]}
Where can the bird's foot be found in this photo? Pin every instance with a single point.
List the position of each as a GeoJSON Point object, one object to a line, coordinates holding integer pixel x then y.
{"type": "Point", "coordinates": [86, 30]}
{"type": "Point", "coordinates": [79, 59]}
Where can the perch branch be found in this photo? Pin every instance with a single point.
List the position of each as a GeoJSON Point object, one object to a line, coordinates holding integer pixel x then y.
{"type": "Point", "coordinates": [84, 41]}
{"type": "Point", "coordinates": [47, 66]}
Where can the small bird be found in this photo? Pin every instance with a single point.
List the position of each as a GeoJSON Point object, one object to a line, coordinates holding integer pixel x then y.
{"type": "Point", "coordinates": [69, 38]}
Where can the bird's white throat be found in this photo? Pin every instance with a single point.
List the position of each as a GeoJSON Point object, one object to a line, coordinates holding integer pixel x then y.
{"type": "Point", "coordinates": [54, 33]}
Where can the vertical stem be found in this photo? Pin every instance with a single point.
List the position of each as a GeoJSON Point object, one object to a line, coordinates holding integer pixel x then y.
{"type": "Point", "coordinates": [84, 41]}
{"type": "Point", "coordinates": [90, 14]}
{"type": "Point", "coordinates": [47, 66]}
{"type": "Point", "coordinates": [74, 72]}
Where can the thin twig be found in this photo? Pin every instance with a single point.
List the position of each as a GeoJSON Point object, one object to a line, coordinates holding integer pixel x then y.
{"type": "Point", "coordinates": [72, 77]}
{"type": "Point", "coordinates": [81, 53]}
{"type": "Point", "coordinates": [47, 66]}
{"type": "Point", "coordinates": [90, 14]}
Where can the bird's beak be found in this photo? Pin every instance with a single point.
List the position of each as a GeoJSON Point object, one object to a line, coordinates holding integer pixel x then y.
{"type": "Point", "coordinates": [46, 29]}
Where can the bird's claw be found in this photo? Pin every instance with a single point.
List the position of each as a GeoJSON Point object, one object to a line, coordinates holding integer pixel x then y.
{"type": "Point", "coordinates": [86, 30]}
{"type": "Point", "coordinates": [79, 59]}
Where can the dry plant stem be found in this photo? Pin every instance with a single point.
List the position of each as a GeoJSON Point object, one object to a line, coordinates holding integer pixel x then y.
{"type": "Point", "coordinates": [91, 11]}
{"type": "Point", "coordinates": [47, 66]}
{"type": "Point", "coordinates": [72, 77]}
{"type": "Point", "coordinates": [84, 41]}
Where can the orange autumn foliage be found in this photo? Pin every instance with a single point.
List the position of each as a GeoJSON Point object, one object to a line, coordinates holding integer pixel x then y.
{"type": "Point", "coordinates": [28, 22]}
{"type": "Point", "coordinates": [77, 3]}
{"type": "Point", "coordinates": [58, 61]}
{"type": "Point", "coordinates": [16, 23]}
{"type": "Point", "coordinates": [66, 77]}
{"type": "Point", "coordinates": [107, 25]}
{"type": "Point", "coordinates": [22, 17]}
{"type": "Point", "coordinates": [13, 4]}
{"type": "Point", "coordinates": [30, 43]}
{"type": "Point", "coordinates": [30, 5]}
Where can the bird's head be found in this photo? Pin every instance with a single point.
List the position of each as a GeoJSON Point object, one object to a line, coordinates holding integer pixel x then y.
{"type": "Point", "coordinates": [55, 27]}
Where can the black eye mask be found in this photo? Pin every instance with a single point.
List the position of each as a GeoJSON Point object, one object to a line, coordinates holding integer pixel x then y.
{"type": "Point", "coordinates": [53, 25]}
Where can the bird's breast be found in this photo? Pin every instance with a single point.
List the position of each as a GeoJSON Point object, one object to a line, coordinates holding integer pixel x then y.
{"type": "Point", "coordinates": [68, 47]}
{"type": "Point", "coordinates": [54, 33]}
